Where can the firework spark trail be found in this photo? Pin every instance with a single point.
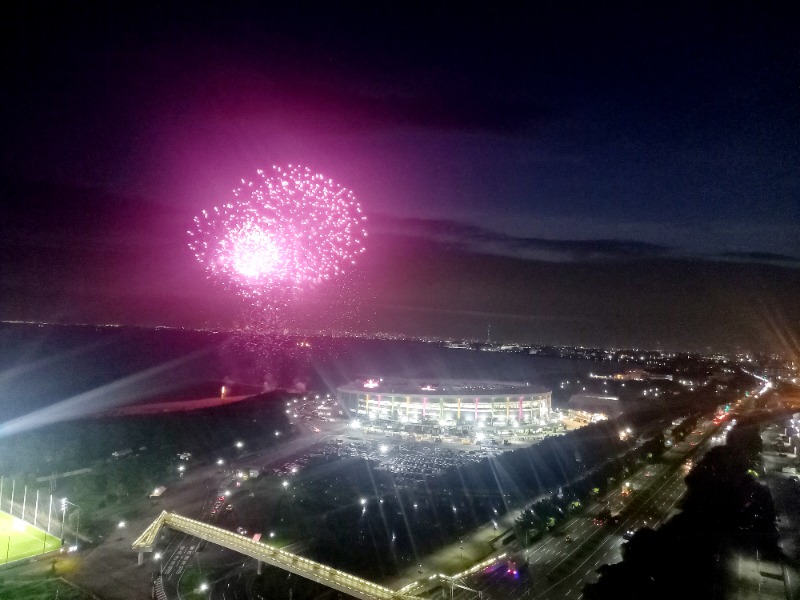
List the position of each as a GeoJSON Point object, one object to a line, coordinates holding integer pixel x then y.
{"type": "Point", "coordinates": [282, 233]}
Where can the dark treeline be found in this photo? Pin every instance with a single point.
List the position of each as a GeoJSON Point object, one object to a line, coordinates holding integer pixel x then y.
{"type": "Point", "coordinates": [725, 509]}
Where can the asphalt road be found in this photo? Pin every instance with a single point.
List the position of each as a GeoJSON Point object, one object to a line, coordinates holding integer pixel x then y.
{"type": "Point", "coordinates": [558, 568]}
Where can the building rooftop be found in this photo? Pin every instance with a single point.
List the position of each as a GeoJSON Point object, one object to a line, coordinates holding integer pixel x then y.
{"type": "Point", "coordinates": [472, 387]}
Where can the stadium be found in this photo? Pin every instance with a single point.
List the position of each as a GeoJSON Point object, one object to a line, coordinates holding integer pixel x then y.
{"type": "Point", "coordinates": [463, 404]}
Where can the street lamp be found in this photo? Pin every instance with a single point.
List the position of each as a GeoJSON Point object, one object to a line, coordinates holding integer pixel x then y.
{"type": "Point", "coordinates": [64, 502]}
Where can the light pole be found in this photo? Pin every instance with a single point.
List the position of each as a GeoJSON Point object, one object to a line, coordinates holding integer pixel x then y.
{"type": "Point", "coordinates": [64, 503]}
{"type": "Point", "coordinates": [157, 556]}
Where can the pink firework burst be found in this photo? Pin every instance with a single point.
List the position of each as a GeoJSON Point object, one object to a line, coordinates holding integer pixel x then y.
{"type": "Point", "coordinates": [285, 231]}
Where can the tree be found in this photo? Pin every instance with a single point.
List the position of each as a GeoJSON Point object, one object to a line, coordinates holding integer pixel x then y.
{"type": "Point", "coordinates": [529, 525]}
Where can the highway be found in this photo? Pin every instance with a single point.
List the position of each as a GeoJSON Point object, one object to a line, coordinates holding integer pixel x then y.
{"type": "Point", "coordinates": [558, 568]}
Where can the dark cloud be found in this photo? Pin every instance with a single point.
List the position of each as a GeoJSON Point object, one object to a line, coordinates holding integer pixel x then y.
{"type": "Point", "coordinates": [767, 257]}
{"type": "Point", "coordinates": [420, 284]}
{"type": "Point", "coordinates": [479, 239]}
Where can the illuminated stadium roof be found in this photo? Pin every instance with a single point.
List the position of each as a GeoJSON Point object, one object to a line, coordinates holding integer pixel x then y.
{"type": "Point", "coordinates": [441, 387]}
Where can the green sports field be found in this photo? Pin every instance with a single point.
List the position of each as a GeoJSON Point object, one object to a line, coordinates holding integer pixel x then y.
{"type": "Point", "coordinates": [19, 539]}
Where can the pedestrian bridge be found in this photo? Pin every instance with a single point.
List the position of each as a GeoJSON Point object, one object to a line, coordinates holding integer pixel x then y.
{"type": "Point", "coordinates": [264, 553]}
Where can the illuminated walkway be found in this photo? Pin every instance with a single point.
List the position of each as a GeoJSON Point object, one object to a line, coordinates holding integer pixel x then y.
{"type": "Point", "coordinates": [264, 553]}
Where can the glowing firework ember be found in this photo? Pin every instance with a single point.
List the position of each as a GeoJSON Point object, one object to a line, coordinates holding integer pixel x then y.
{"type": "Point", "coordinates": [288, 231]}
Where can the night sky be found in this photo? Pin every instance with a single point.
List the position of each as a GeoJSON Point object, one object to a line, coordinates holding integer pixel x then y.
{"type": "Point", "coordinates": [611, 173]}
